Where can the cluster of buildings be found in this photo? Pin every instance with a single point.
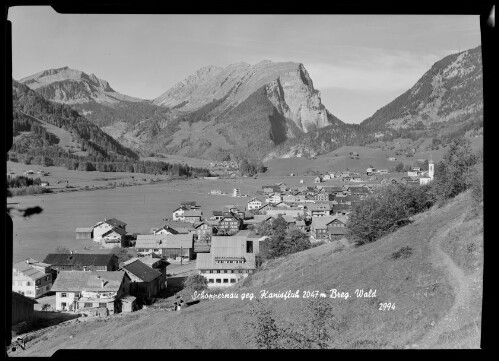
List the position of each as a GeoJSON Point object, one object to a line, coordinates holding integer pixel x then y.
{"type": "Point", "coordinates": [93, 283]}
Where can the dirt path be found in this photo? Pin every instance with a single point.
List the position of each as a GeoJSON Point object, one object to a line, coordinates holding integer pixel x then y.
{"type": "Point", "coordinates": [461, 284]}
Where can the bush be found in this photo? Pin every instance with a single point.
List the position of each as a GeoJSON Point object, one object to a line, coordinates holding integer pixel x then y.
{"type": "Point", "coordinates": [387, 210]}
{"type": "Point", "coordinates": [196, 283]}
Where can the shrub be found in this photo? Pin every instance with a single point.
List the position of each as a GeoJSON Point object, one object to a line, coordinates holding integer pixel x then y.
{"type": "Point", "coordinates": [387, 210]}
{"type": "Point", "coordinates": [196, 283]}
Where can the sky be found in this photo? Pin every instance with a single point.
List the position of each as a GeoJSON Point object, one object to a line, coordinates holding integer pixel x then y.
{"type": "Point", "coordinates": [359, 63]}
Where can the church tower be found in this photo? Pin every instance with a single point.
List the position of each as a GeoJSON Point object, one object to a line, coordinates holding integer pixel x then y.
{"type": "Point", "coordinates": [431, 168]}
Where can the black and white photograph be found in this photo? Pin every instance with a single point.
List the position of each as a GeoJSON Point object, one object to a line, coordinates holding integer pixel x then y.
{"type": "Point", "coordinates": [244, 181]}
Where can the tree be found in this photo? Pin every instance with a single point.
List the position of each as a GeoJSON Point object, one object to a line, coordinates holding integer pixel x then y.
{"type": "Point", "coordinates": [196, 283]}
{"type": "Point", "coordinates": [399, 167]}
{"type": "Point", "coordinates": [452, 173]}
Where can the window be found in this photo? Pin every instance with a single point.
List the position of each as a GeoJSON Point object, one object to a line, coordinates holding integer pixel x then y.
{"type": "Point", "coordinates": [210, 280]}
{"type": "Point", "coordinates": [102, 305]}
{"type": "Point", "coordinates": [63, 304]}
{"type": "Point", "coordinates": [64, 295]}
{"type": "Point", "coordinates": [218, 271]}
{"type": "Point", "coordinates": [225, 271]}
{"type": "Point", "coordinates": [232, 280]}
{"type": "Point", "coordinates": [87, 304]}
{"type": "Point", "coordinates": [249, 246]}
{"type": "Point", "coordinates": [219, 280]}
{"type": "Point", "coordinates": [28, 283]}
{"type": "Point", "coordinates": [226, 280]}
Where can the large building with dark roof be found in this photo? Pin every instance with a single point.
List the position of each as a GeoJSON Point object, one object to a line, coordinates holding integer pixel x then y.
{"type": "Point", "coordinates": [82, 261]}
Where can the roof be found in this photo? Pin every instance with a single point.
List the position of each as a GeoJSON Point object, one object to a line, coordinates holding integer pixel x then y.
{"type": "Point", "coordinates": [83, 230]}
{"type": "Point", "coordinates": [358, 189]}
{"type": "Point", "coordinates": [167, 228]}
{"type": "Point", "coordinates": [257, 218]}
{"type": "Point", "coordinates": [141, 270]}
{"type": "Point", "coordinates": [78, 259]}
{"type": "Point", "coordinates": [118, 230]}
{"type": "Point", "coordinates": [218, 213]}
{"type": "Point", "coordinates": [17, 297]}
{"type": "Point", "coordinates": [188, 203]}
{"type": "Point", "coordinates": [149, 260]}
{"type": "Point", "coordinates": [254, 199]}
{"type": "Point", "coordinates": [164, 240]}
{"type": "Point", "coordinates": [207, 261]}
{"type": "Point", "coordinates": [193, 213]}
{"type": "Point", "coordinates": [115, 223]}
{"type": "Point", "coordinates": [28, 270]}
{"type": "Point", "coordinates": [73, 281]}
{"type": "Point", "coordinates": [228, 246]}
{"type": "Point", "coordinates": [321, 222]}
{"type": "Point", "coordinates": [288, 218]}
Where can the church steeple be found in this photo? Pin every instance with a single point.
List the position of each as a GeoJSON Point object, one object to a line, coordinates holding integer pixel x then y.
{"type": "Point", "coordinates": [431, 168]}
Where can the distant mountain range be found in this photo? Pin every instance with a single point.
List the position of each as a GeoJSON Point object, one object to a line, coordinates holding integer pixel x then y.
{"type": "Point", "coordinates": [268, 110]}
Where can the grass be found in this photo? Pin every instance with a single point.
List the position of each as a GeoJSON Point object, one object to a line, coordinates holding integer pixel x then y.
{"type": "Point", "coordinates": [420, 290]}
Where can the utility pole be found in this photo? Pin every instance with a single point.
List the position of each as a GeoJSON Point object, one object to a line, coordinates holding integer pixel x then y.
{"type": "Point", "coordinates": [181, 255]}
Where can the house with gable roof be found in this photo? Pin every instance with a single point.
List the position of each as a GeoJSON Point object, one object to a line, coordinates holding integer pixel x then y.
{"type": "Point", "coordinates": [79, 290]}
{"type": "Point", "coordinates": [254, 203]}
{"type": "Point", "coordinates": [145, 282]}
{"type": "Point", "coordinates": [103, 227]}
{"type": "Point", "coordinates": [115, 237]}
{"type": "Point", "coordinates": [31, 278]}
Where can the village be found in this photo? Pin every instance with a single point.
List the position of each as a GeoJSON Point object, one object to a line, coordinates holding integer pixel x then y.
{"type": "Point", "coordinates": [222, 246]}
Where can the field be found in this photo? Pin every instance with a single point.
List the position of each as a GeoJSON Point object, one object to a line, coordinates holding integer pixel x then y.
{"type": "Point", "coordinates": [339, 160]}
{"type": "Point", "coordinates": [437, 305]}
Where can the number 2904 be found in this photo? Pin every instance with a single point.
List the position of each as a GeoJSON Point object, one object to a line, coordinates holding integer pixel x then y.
{"type": "Point", "coordinates": [386, 306]}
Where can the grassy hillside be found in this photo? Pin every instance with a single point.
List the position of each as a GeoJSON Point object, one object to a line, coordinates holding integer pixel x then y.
{"type": "Point", "coordinates": [437, 296]}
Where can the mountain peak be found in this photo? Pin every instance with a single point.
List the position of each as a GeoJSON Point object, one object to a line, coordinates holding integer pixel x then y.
{"type": "Point", "coordinates": [66, 85]}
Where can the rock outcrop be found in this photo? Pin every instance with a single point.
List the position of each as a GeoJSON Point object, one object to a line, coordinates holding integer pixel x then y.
{"type": "Point", "coordinates": [70, 86]}
{"type": "Point", "coordinates": [288, 86]}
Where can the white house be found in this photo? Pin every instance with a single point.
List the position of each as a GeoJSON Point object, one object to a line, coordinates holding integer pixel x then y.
{"type": "Point", "coordinates": [254, 203]}
{"type": "Point", "coordinates": [31, 278]}
{"type": "Point", "coordinates": [103, 227]}
{"type": "Point", "coordinates": [412, 173]}
{"type": "Point", "coordinates": [236, 192]}
{"type": "Point", "coordinates": [327, 177]}
{"type": "Point", "coordinates": [274, 198]}
{"type": "Point", "coordinates": [76, 290]}
{"type": "Point", "coordinates": [178, 214]}
{"type": "Point", "coordinates": [114, 237]}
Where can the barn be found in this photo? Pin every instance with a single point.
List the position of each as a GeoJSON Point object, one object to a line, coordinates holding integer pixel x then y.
{"type": "Point", "coordinates": [84, 233]}
{"type": "Point", "coordinates": [22, 308]}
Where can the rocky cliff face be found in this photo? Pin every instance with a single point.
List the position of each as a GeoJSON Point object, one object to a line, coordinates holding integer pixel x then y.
{"type": "Point", "coordinates": [288, 87]}
{"type": "Point", "coordinates": [70, 86]}
{"type": "Point", "coordinates": [452, 90]}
